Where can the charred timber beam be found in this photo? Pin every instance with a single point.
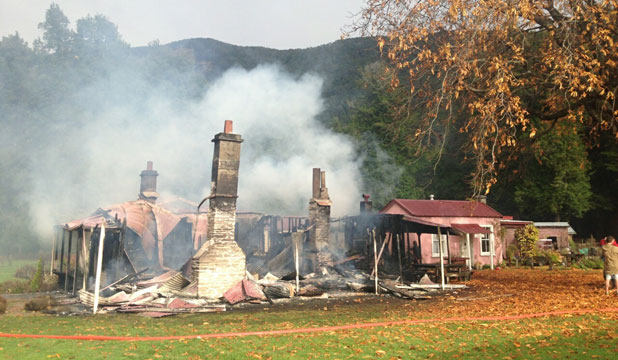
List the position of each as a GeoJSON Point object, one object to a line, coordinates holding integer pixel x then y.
{"type": "Point", "coordinates": [66, 274]}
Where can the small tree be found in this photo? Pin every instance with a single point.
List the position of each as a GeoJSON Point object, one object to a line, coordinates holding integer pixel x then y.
{"type": "Point", "coordinates": [37, 279]}
{"type": "Point", "coordinates": [526, 239]}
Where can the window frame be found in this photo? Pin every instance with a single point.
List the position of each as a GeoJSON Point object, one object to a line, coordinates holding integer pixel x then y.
{"type": "Point", "coordinates": [434, 239]}
{"type": "Point", "coordinates": [486, 238]}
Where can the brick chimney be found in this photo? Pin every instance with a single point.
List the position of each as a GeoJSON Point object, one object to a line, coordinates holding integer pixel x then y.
{"type": "Point", "coordinates": [366, 206]}
{"type": "Point", "coordinates": [220, 263]}
{"type": "Point", "coordinates": [319, 217]}
{"type": "Point", "coordinates": [148, 185]}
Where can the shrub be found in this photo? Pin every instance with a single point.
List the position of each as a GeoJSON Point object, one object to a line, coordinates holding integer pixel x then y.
{"type": "Point", "coordinates": [526, 239]}
{"type": "Point", "coordinates": [40, 303]}
{"type": "Point", "coordinates": [590, 263]}
{"type": "Point", "coordinates": [25, 272]}
{"type": "Point", "coordinates": [2, 305]}
{"type": "Point", "coordinates": [552, 256]}
{"type": "Point", "coordinates": [49, 283]}
{"type": "Point", "coordinates": [511, 253]}
{"type": "Point", "coordinates": [37, 279]}
{"type": "Point", "coordinates": [15, 286]}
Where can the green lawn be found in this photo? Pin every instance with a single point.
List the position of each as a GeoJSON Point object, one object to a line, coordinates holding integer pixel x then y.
{"type": "Point", "coordinates": [560, 337]}
{"type": "Point", "coordinates": [8, 270]}
{"type": "Point", "coordinates": [491, 293]}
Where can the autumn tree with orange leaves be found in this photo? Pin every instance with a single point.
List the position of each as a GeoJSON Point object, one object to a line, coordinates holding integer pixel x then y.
{"type": "Point", "coordinates": [497, 69]}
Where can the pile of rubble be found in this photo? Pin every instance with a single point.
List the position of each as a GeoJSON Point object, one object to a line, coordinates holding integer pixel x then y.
{"type": "Point", "coordinates": [172, 293]}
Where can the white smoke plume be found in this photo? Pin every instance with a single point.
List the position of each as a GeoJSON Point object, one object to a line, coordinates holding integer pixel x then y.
{"type": "Point", "coordinates": [98, 162]}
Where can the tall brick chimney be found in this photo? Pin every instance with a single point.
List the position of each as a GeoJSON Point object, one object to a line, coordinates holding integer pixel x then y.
{"type": "Point", "coordinates": [220, 263]}
{"type": "Point", "coordinates": [148, 185]}
{"type": "Point", "coordinates": [366, 206]}
{"type": "Point", "coordinates": [319, 217]}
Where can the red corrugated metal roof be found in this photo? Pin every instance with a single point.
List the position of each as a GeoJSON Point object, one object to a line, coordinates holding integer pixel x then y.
{"type": "Point", "coordinates": [514, 223]}
{"type": "Point", "coordinates": [137, 214]}
{"type": "Point", "coordinates": [471, 228]}
{"type": "Point", "coordinates": [443, 208]}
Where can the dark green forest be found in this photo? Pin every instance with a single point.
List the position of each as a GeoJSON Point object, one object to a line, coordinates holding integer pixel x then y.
{"type": "Point", "coordinates": [53, 86]}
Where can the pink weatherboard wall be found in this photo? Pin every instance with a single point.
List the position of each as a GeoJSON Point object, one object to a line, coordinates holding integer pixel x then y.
{"type": "Point", "coordinates": [455, 241]}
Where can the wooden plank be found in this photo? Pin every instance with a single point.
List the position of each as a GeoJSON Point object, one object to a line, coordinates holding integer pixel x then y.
{"type": "Point", "coordinates": [441, 258]}
{"type": "Point", "coordinates": [97, 281]}
{"type": "Point", "coordinates": [448, 247]}
{"type": "Point", "coordinates": [399, 255]}
{"type": "Point", "coordinates": [386, 240]}
{"type": "Point", "coordinates": [375, 260]}
{"type": "Point", "coordinates": [62, 253]}
{"type": "Point", "coordinates": [77, 251]}
{"type": "Point", "coordinates": [86, 265]}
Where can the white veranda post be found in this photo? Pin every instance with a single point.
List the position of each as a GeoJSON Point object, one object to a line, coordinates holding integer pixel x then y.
{"type": "Point", "coordinates": [97, 281]}
{"type": "Point", "coordinates": [491, 248]}
{"type": "Point", "coordinates": [469, 251]}
{"type": "Point", "coordinates": [441, 259]}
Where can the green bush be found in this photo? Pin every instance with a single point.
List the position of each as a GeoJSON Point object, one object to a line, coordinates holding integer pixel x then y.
{"type": "Point", "coordinates": [37, 279]}
{"type": "Point", "coordinates": [590, 263]}
{"type": "Point", "coordinates": [511, 253]}
{"type": "Point", "coordinates": [526, 239]}
{"type": "Point", "coordinates": [15, 286]}
{"type": "Point", "coordinates": [552, 256]}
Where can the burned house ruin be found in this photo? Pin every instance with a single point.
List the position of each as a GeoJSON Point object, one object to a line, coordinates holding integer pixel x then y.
{"type": "Point", "coordinates": [156, 253]}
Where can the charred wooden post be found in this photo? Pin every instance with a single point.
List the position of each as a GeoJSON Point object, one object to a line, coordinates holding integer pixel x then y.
{"type": "Point", "coordinates": [85, 266]}
{"type": "Point", "coordinates": [420, 249]}
{"type": "Point", "coordinates": [77, 252]}
{"type": "Point", "coordinates": [399, 255]}
{"type": "Point", "coordinates": [220, 263]}
{"type": "Point", "coordinates": [62, 252]}
{"type": "Point", "coordinates": [66, 273]}
{"type": "Point", "coordinates": [319, 217]}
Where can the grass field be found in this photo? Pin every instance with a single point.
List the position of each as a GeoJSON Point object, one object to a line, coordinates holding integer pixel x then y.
{"type": "Point", "coordinates": [493, 293]}
{"type": "Point", "coordinates": [8, 270]}
{"type": "Point", "coordinates": [546, 338]}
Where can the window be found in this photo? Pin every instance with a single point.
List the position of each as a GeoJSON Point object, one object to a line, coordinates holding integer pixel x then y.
{"type": "Point", "coordinates": [486, 241]}
{"type": "Point", "coordinates": [485, 245]}
{"type": "Point", "coordinates": [435, 246]}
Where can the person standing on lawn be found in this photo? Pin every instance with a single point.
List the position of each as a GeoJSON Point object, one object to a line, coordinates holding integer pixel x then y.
{"type": "Point", "coordinates": [610, 262]}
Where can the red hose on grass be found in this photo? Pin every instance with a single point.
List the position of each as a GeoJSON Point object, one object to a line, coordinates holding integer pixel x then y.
{"type": "Point", "coordinates": [306, 330]}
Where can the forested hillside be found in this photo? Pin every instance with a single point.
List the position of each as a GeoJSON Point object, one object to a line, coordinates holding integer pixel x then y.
{"type": "Point", "coordinates": [61, 84]}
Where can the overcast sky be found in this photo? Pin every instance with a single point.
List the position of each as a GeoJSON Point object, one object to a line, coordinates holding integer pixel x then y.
{"type": "Point", "coordinates": [280, 24]}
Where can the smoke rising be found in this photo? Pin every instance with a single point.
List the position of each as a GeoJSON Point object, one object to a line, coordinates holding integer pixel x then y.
{"type": "Point", "coordinates": [96, 160]}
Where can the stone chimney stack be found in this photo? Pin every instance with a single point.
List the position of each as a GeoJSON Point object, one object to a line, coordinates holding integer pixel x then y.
{"type": "Point", "coordinates": [220, 263]}
{"type": "Point", "coordinates": [366, 205]}
{"type": "Point", "coordinates": [483, 199]}
{"type": "Point", "coordinates": [319, 217]}
{"type": "Point", "coordinates": [148, 185]}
